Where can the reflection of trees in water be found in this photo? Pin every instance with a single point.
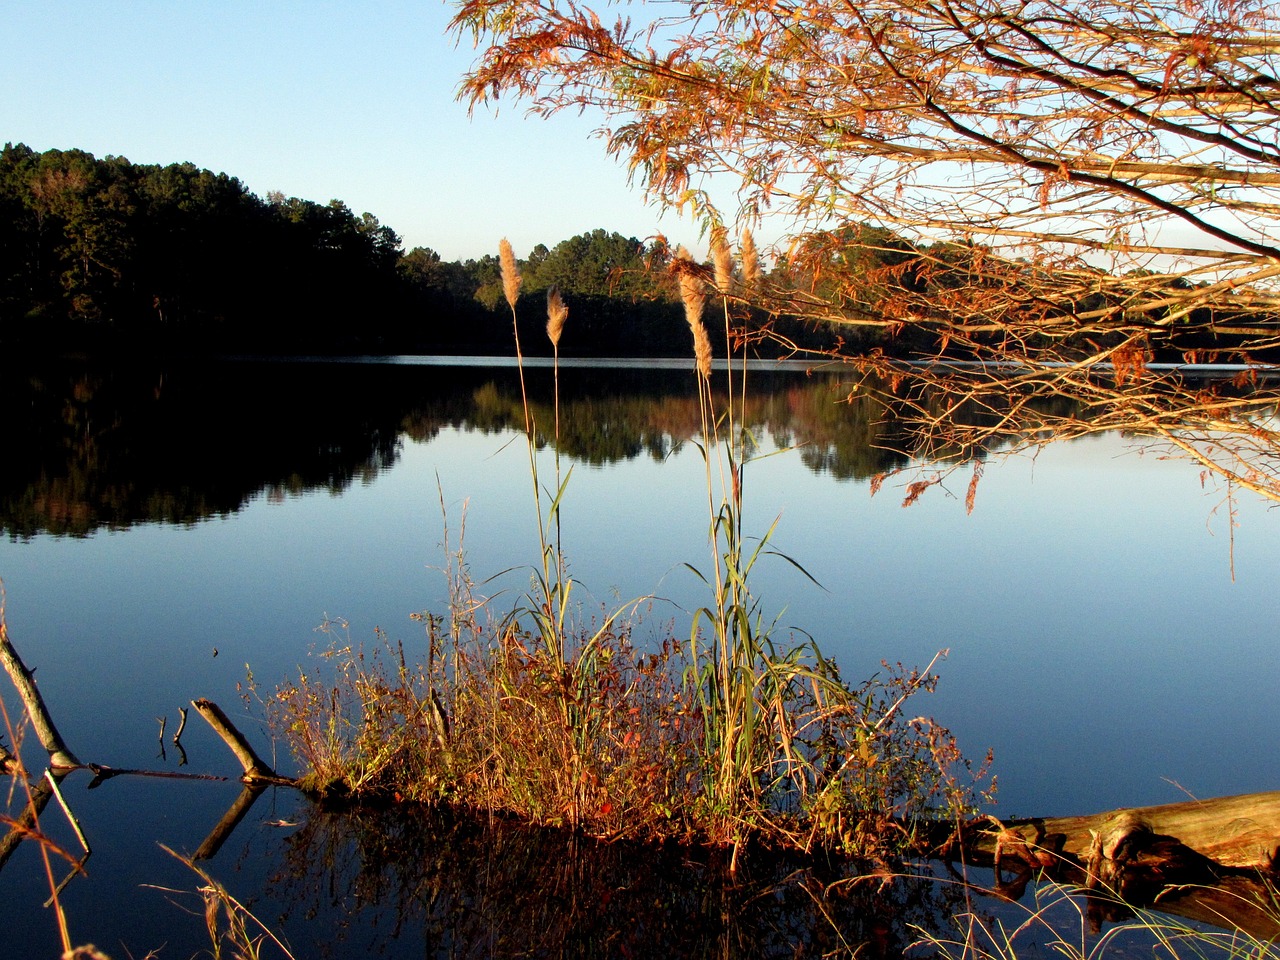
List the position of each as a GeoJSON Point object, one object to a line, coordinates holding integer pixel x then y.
{"type": "Point", "coordinates": [838, 432]}
{"type": "Point", "coordinates": [463, 888]}
{"type": "Point", "coordinates": [92, 446]}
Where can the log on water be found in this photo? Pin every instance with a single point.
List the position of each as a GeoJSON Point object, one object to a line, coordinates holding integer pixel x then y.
{"type": "Point", "coordinates": [1235, 833]}
{"type": "Point", "coordinates": [1209, 860]}
{"type": "Point", "coordinates": [255, 769]}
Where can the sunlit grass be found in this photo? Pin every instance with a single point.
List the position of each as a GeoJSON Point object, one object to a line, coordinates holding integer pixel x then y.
{"type": "Point", "coordinates": [553, 715]}
{"type": "Point", "coordinates": [1065, 922]}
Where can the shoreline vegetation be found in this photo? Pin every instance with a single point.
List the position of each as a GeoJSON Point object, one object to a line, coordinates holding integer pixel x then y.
{"type": "Point", "coordinates": [548, 713]}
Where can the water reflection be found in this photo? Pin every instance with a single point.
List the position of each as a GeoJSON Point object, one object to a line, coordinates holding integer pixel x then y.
{"type": "Point", "coordinates": [93, 446]}
{"type": "Point", "coordinates": [429, 883]}
{"type": "Point", "coordinates": [462, 888]}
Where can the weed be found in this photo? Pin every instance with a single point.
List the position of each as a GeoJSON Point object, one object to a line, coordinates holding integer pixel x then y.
{"type": "Point", "coordinates": [234, 932]}
{"type": "Point", "coordinates": [725, 736]}
{"type": "Point", "coordinates": [1067, 922]}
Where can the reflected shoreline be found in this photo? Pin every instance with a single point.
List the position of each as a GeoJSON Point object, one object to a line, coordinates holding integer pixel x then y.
{"type": "Point", "coordinates": [107, 446]}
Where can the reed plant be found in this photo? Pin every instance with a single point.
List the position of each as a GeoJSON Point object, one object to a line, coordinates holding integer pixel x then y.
{"type": "Point", "coordinates": [235, 932]}
{"type": "Point", "coordinates": [1062, 920]}
{"type": "Point", "coordinates": [781, 728]}
{"type": "Point", "coordinates": [554, 716]}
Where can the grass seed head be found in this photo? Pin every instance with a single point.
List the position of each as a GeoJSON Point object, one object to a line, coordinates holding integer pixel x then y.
{"type": "Point", "coordinates": [721, 260]}
{"type": "Point", "coordinates": [750, 263]}
{"type": "Point", "coordinates": [511, 278]}
{"type": "Point", "coordinates": [557, 313]}
{"type": "Point", "coordinates": [692, 293]}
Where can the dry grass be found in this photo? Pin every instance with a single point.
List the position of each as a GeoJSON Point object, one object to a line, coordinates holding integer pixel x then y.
{"type": "Point", "coordinates": [493, 720]}
{"type": "Point", "coordinates": [1061, 920]}
{"type": "Point", "coordinates": [724, 737]}
{"type": "Point", "coordinates": [600, 736]}
{"type": "Point", "coordinates": [235, 932]}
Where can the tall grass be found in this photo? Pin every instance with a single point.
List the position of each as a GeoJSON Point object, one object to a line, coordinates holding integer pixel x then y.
{"type": "Point", "coordinates": [235, 932]}
{"type": "Point", "coordinates": [553, 715]}
{"type": "Point", "coordinates": [1064, 921]}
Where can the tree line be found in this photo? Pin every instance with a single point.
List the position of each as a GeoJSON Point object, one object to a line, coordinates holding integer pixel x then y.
{"type": "Point", "coordinates": [105, 253]}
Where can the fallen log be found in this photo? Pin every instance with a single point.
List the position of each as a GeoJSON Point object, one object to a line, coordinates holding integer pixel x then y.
{"type": "Point", "coordinates": [1209, 860]}
{"type": "Point", "coordinates": [1232, 833]}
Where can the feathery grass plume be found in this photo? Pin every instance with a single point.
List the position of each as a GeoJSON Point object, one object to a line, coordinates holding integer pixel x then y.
{"type": "Point", "coordinates": [750, 263]}
{"type": "Point", "coordinates": [721, 260]}
{"type": "Point", "coordinates": [692, 293]}
{"type": "Point", "coordinates": [557, 313]}
{"type": "Point", "coordinates": [511, 278]}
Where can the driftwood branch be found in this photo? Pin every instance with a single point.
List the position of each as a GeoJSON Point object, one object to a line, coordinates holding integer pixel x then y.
{"type": "Point", "coordinates": [60, 757]}
{"type": "Point", "coordinates": [1232, 833]}
{"type": "Point", "coordinates": [257, 773]}
{"type": "Point", "coordinates": [256, 770]}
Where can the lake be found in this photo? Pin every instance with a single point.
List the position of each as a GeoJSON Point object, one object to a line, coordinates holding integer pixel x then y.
{"type": "Point", "coordinates": [173, 528]}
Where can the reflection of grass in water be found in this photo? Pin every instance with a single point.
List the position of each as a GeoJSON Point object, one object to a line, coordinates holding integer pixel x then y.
{"type": "Point", "coordinates": [493, 887]}
{"type": "Point", "coordinates": [235, 932]}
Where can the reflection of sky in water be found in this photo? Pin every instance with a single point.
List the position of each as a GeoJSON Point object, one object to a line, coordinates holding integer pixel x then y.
{"type": "Point", "coordinates": [1097, 641]}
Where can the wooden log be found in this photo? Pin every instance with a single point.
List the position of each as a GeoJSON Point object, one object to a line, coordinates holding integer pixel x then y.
{"type": "Point", "coordinates": [1213, 861]}
{"type": "Point", "coordinates": [1236, 833]}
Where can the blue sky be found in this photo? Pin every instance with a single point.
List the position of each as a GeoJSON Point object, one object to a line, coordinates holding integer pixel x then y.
{"type": "Point", "coordinates": [354, 101]}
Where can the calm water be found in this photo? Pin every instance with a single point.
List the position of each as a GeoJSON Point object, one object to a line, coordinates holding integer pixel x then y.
{"type": "Point", "coordinates": [170, 530]}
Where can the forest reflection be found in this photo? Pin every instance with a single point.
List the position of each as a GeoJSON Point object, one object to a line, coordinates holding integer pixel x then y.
{"type": "Point", "coordinates": [94, 446]}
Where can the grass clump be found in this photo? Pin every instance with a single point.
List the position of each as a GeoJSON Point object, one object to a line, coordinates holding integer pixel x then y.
{"type": "Point", "coordinates": [724, 736]}
{"type": "Point", "coordinates": [495, 721]}
{"type": "Point", "coordinates": [1069, 922]}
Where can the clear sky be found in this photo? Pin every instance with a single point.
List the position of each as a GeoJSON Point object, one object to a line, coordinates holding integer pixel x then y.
{"type": "Point", "coordinates": [319, 100]}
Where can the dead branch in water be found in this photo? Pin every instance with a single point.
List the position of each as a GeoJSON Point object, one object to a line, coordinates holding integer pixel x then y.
{"type": "Point", "coordinates": [256, 770]}
{"type": "Point", "coordinates": [60, 757]}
